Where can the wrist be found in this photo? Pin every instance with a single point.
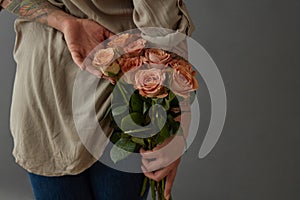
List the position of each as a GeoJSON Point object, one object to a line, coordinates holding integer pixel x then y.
{"type": "Point", "coordinates": [61, 20]}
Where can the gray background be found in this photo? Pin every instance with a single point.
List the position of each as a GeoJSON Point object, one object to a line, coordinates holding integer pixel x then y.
{"type": "Point", "coordinates": [256, 47]}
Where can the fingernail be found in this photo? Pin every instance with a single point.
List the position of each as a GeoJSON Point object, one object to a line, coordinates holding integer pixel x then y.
{"type": "Point", "coordinates": [168, 197]}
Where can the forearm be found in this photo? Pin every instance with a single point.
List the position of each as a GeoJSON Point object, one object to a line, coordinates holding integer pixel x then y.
{"type": "Point", "coordinates": [38, 10]}
{"type": "Point", "coordinates": [184, 119]}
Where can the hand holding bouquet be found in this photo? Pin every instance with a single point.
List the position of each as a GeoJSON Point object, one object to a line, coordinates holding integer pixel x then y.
{"type": "Point", "coordinates": [151, 85]}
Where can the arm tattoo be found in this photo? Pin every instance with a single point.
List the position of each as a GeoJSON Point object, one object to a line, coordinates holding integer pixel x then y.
{"type": "Point", "coordinates": [35, 10]}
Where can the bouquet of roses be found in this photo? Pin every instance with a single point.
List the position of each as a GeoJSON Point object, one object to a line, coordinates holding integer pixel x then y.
{"type": "Point", "coordinates": [151, 83]}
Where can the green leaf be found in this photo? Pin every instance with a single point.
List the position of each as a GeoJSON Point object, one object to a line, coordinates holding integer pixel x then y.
{"type": "Point", "coordinates": [163, 134]}
{"type": "Point", "coordinates": [110, 74]}
{"type": "Point", "coordinates": [136, 103]}
{"type": "Point", "coordinates": [165, 131]}
{"type": "Point", "coordinates": [166, 104]}
{"type": "Point", "coordinates": [139, 141]}
{"type": "Point", "coordinates": [173, 124]}
{"type": "Point", "coordinates": [142, 132]}
{"type": "Point", "coordinates": [137, 131]}
{"type": "Point", "coordinates": [171, 96]}
{"type": "Point", "coordinates": [122, 149]}
{"type": "Point", "coordinates": [146, 106]}
{"type": "Point", "coordinates": [125, 143]}
{"type": "Point", "coordinates": [117, 154]}
{"type": "Point", "coordinates": [108, 112]}
{"type": "Point", "coordinates": [160, 122]}
{"type": "Point", "coordinates": [115, 137]}
{"type": "Point", "coordinates": [119, 110]}
{"type": "Point", "coordinates": [131, 122]}
{"type": "Point", "coordinates": [137, 118]}
{"type": "Point", "coordinates": [147, 119]}
{"type": "Point", "coordinates": [159, 139]}
{"type": "Point", "coordinates": [174, 102]}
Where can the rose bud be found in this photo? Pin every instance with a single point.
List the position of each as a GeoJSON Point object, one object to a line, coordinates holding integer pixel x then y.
{"type": "Point", "coordinates": [104, 61]}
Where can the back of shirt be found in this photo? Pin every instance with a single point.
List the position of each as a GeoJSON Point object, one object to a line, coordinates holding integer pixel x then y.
{"type": "Point", "coordinates": [42, 122]}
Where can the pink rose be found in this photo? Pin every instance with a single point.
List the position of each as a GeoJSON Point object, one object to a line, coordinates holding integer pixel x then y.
{"type": "Point", "coordinates": [150, 83]}
{"type": "Point", "coordinates": [157, 58]}
{"type": "Point", "coordinates": [135, 48]}
{"type": "Point", "coordinates": [180, 65]}
{"type": "Point", "coordinates": [183, 78]}
{"type": "Point", "coordinates": [104, 57]}
{"type": "Point", "coordinates": [129, 65]}
{"type": "Point", "coordinates": [121, 40]}
{"type": "Point", "coordinates": [104, 61]}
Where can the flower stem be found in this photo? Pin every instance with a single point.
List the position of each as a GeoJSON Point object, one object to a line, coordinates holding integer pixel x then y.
{"type": "Point", "coordinates": [163, 187]}
{"type": "Point", "coordinates": [144, 186]}
{"type": "Point", "coordinates": [159, 193]}
{"type": "Point", "coordinates": [153, 191]}
{"type": "Point", "coordinates": [123, 94]}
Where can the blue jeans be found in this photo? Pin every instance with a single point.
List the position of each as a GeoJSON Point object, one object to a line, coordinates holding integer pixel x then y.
{"type": "Point", "coordinates": [99, 182]}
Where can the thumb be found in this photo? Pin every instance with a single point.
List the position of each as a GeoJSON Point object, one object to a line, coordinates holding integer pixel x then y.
{"type": "Point", "coordinates": [78, 59]}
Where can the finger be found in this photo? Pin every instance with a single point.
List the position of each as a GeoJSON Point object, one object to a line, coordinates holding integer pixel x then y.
{"type": "Point", "coordinates": [150, 154]}
{"type": "Point", "coordinates": [151, 166]}
{"type": "Point", "coordinates": [94, 71]}
{"type": "Point", "coordinates": [145, 163]}
{"type": "Point", "coordinates": [160, 157]}
{"type": "Point", "coordinates": [154, 165]}
{"type": "Point", "coordinates": [148, 174]}
{"type": "Point", "coordinates": [158, 146]}
{"type": "Point", "coordinates": [142, 150]}
{"type": "Point", "coordinates": [158, 175]}
{"type": "Point", "coordinates": [169, 183]}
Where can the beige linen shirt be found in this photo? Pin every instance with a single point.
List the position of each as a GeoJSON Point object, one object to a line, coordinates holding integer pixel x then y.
{"type": "Point", "coordinates": [42, 125]}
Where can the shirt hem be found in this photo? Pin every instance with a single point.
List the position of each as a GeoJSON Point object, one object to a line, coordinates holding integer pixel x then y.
{"type": "Point", "coordinates": [23, 164]}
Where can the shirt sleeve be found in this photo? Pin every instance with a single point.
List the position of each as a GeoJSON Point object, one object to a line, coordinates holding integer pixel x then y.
{"type": "Point", "coordinates": [169, 14]}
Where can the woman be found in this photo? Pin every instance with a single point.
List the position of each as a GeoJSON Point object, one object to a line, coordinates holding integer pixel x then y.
{"type": "Point", "coordinates": [52, 39]}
